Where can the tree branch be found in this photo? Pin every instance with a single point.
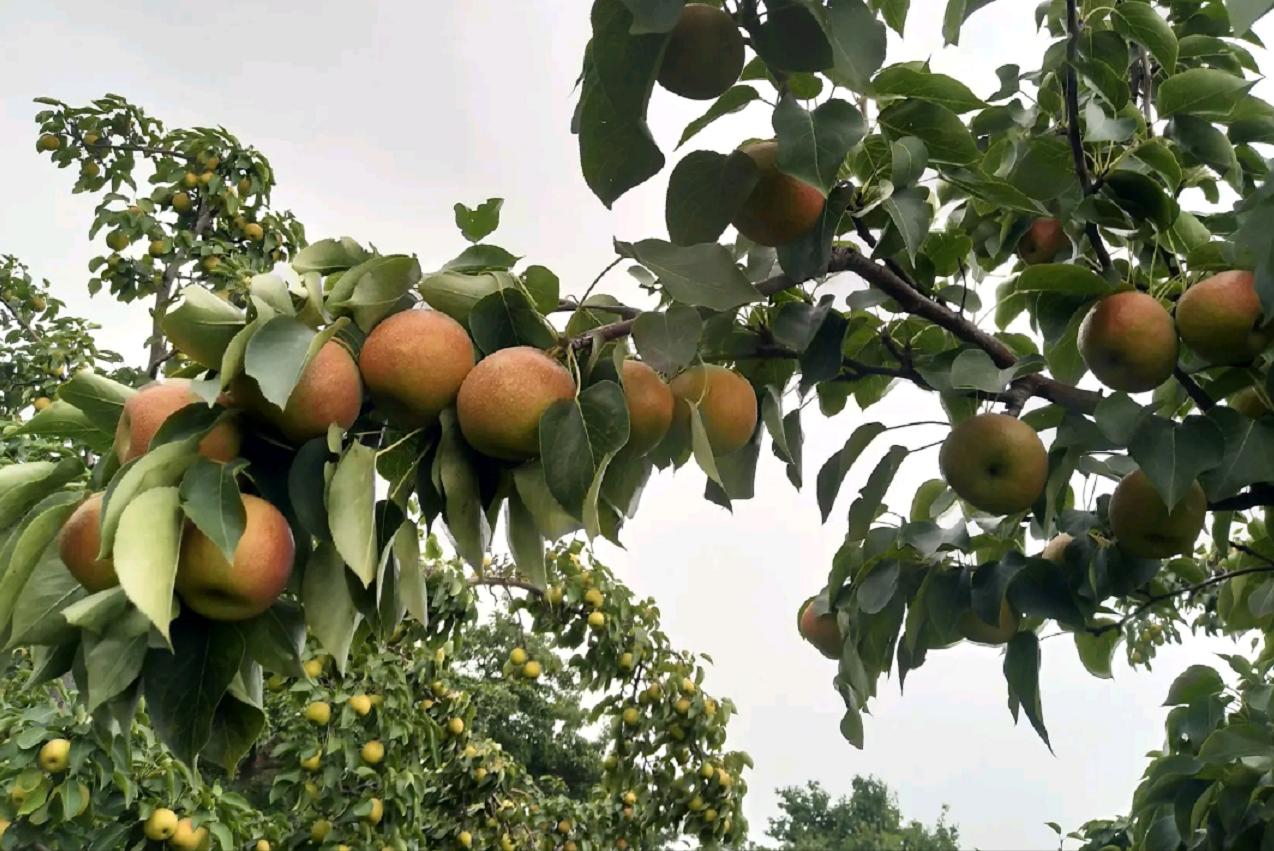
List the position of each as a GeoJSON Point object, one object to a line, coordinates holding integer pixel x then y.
{"type": "Point", "coordinates": [1197, 394]}
{"type": "Point", "coordinates": [1257, 495]}
{"type": "Point", "coordinates": [505, 582]}
{"type": "Point", "coordinates": [17, 317]}
{"type": "Point", "coordinates": [157, 354]}
{"type": "Point", "coordinates": [1072, 127]}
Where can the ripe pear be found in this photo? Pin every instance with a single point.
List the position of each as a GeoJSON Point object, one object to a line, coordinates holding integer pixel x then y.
{"type": "Point", "coordinates": [979, 631]}
{"type": "Point", "coordinates": [995, 462]}
{"type": "Point", "coordinates": [704, 53]}
{"type": "Point", "coordinates": [413, 364]}
{"type": "Point", "coordinates": [79, 542]}
{"type": "Point", "coordinates": [1042, 242]}
{"type": "Point", "coordinates": [1143, 524]}
{"type": "Point", "coordinates": [1129, 342]}
{"type": "Point", "coordinates": [225, 591]}
{"type": "Point", "coordinates": [361, 704]}
{"type": "Point", "coordinates": [160, 825]}
{"type": "Point", "coordinates": [727, 405]}
{"type": "Point", "coordinates": [329, 392]}
{"type": "Point", "coordinates": [318, 713]}
{"type": "Point", "coordinates": [502, 399]}
{"type": "Point", "coordinates": [1220, 319]}
{"type": "Point", "coordinates": [187, 837]}
{"type": "Point", "coordinates": [254, 231]}
{"type": "Point", "coordinates": [650, 406]}
{"type": "Point", "coordinates": [531, 670]}
{"type": "Point", "coordinates": [320, 829]}
{"type": "Point", "coordinates": [372, 752]}
{"type": "Point", "coordinates": [48, 142]}
{"type": "Point", "coordinates": [781, 208]}
{"type": "Point", "coordinates": [820, 631]}
{"type": "Point", "coordinates": [146, 411]}
{"type": "Point", "coordinates": [54, 756]}
{"type": "Point", "coordinates": [377, 813]}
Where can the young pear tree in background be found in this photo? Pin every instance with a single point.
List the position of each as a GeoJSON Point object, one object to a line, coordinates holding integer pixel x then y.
{"type": "Point", "coordinates": [1107, 212]}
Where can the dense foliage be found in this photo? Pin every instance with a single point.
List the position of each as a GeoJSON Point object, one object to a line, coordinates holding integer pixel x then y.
{"type": "Point", "coordinates": [1105, 213]}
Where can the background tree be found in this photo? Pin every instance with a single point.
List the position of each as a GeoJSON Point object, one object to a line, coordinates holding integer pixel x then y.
{"type": "Point", "coordinates": [867, 819]}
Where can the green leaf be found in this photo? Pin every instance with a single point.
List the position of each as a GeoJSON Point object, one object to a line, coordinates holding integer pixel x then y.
{"type": "Point", "coordinates": [330, 612]}
{"type": "Point", "coordinates": [1097, 651]}
{"type": "Point", "coordinates": [699, 275]}
{"type": "Point", "coordinates": [146, 549]}
{"type": "Point", "coordinates": [525, 541]}
{"type": "Point", "coordinates": [477, 223]}
{"type": "Point", "coordinates": [567, 455]}
{"type": "Point", "coordinates": [668, 340]}
{"type": "Point", "coordinates": [481, 258]}
{"type": "Point", "coordinates": [1141, 23]}
{"type": "Point", "coordinates": [1142, 198]}
{"type": "Point", "coordinates": [863, 510]}
{"type": "Point", "coordinates": [705, 190]}
{"type": "Point", "coordinates": [455, 293]}
{"type": "Point", "coordinates": [913, 81]}
{"type": "Point", "coordinates": [23, 485]}
{"type": "Point", "coordinates": [210, 498]}
{"type": "Point", "coordinates": [1237, 741]}
{"type": "Point", "coordinates": [1248, 457]}
{"type": "Point", "coordinates": [373, 290]}
{"type": "Point", "coordinates": [62, 419]}
{"type": "Point", "coordinates": [351, 502]}
{"type": "Point", "coordinates": [183, 686]}
{"type": "Point", "coordinates": [162, 466]}
{"type": "Point", "coordinates": [734, 99]}
{"type": "Point", "coordinates": [858, 43]}
{"type": "Point", "coordinates": [1200, 91]}
{"type": "Point", "coordinates": [1045, 169]}
{"type": "Point", "coordinates": [908, 159]}
{"type": "Point", "coordinates": [1064, 279]}
{"type": "Point", "coordinates": [1244, 13]}
{"type": "Point", "coordinates": [330, 255]}
{"type": "Point", "coordinates": [808, 256]}
{"type": "Point", "coordinates": [543, 286]}
{"type": "Point", "coordinates": [1195, 682]}
{"type": "Point", "coordinates": [22, 552]}
{"type": "Point", "coordinates": [507, 318]}
{"type": "Point", "coordinates": [38, 615]}
{"type": "Point", "coordinates": [96, 612]}
{"type": "Point", "coordinates": [701, 446]}
{"type": "Point", "coordinates": [911, 213]}
{"type": "Point", "coordinates": [307, 487]}
{"type": "Point", "coordinates": [1173, 455]}
{"type": "Point", "coordinates": [876, 589]}
{"type": "Point", "coordinates": [466, 521]}
{"type": "Point", "coordinates": [201, 326]}
{"type": "Point", "coordinates": [813, 145]}
{"type": "Point", "coordinates": [942, 131]}
{"type": "Point", "coordinates": [100, 398]}
{"type": "Point", "coordinates": [411, 572]}
{"type": "Point", "coordinates": [617, 151]}
{"type": "Point", "coordinates": [236, 725]}
{"type": "Point", "coordinates": [957, 12]}
{"type": "Point", "coordinates": [1022, 672]}
{"type": "Point", "coordinates": [792, 38]}
{"type": "Point", "coordinates": [277, 355]}
{"type": "Point", "coordinates": [114, 660]}
{"type": "Point", "coordinates": [834, 470]}
{"type": "Point", "coordinates": [894, 12]}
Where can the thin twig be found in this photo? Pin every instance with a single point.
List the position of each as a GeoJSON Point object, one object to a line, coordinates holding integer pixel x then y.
{"type": "Point", "coordinates": [1072, 127]}
{"type": "Point", "coordinates": [1197, 394]}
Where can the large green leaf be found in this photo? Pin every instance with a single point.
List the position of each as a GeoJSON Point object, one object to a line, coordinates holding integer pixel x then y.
{"type": "Point", "coordinates": [617, 151]}
{"type": "Point", "coordinates": [1139, 22]}
{"type": "Point", "coordinates": [911, 214]}
{"type": "Point", "coordinates": [699, 275]}
{"type": "Point", "coordinates": [479, 222]}
{"type": "Point", "coordinates": [566, 454]}
{"type": "Point", "coordinates": [183, 686]}
{"type": "Point", "coordinates": [276, 637]}
{"type": "Point", "coordinates": [330, 255]}
{"type": "Point", "coordinates": [858, 43]}
{"type": "Point", "coordinates": [526, 543]}
{"type": "Point", "coordinates": [114, 659]}
{"type": "Point", "coordinates": [865, 506]}
{"type": "Point", "coordinates": [210, 498]}
{"type": "Point", "coordinates": [455, 293]}
{"type": "Point", "coordinates": [466, 521]}
{"type": "Point", "coordinates": [1195, 682]}
{"type": "Point", "coordinates": [813, 145]}
{"type": "Point", "coordinates": [957, 12]}
{"type": "Point", "coordinates": [1063, 279]}
{"type": "Point", "coordinates": [38, 616]}
{"type": "Point", "coordinates": [942, 131]}
{"type": "Point", "coordinates": [62, 419]}
{"type": "Point", "coordinates": [100, 398]}
{"type": "Point", "coordinates": [24, 549]}
{"type": "Point", "coordinates": [147, 546]}
{"type": "Point", "coordinates": [668, 340]}
{"type": "Point", "coordinates": [834, 470]}
{"type": "Point", "coordinates": [705, 190]}
{"type": "Point", "coordinates": [162, 466]}
{"type": "Point", "coordinates": [1205, 92]}
{"type": "Point", "coordinates": [23, 485]}
{"type": "Point", "coordinates": [371, 291]}
{"type": "Point", "coordinates": [202, 325]}
{"type": "Point", "coordinates": [1173, 455]}
{"type": "Point", "coordinates": [236, 725]}
{"type": "Point", "coordinates": [1096, 652]}
{"type": "Point", "coordinates": [735, 99]}
{"type": "Point", "coordinates": [1022, 673]}
{"type": "Point", "coordinates": [1244, 13]}
{"type": "Point", "coordinates": [911, 80]}
{"type": "Point", "coordinates": [330, 612]}
{"type": "Point", "coordinates": [1248, 456]}
{"type": "Point", "coordinates": [1045, 169]}
{"type": "Point", "coordinates": [507, 318]}
{"type": "Point", "coordinates": [351, 500]}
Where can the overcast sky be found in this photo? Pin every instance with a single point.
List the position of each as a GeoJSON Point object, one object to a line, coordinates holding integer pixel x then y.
{"type": "Point", "coordinates": [377, 117]}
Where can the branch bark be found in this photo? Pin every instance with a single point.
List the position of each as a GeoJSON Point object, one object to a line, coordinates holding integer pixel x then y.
{"type": "Point", "coordinates": [1072, 127]}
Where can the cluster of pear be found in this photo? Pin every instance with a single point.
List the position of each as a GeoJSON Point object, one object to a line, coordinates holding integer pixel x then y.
{"type": "Point", "coordinates": [703, 58]}
{"type": "Point", "coordinates": [412, 365]}
{"type": "Point", "coordinates": [163, 825]}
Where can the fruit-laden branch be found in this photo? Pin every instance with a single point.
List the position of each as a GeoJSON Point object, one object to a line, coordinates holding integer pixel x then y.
{"type": "Point", "coordinates": [505, 582]}
{"type": "Point", "coordinates": [17, 317]}
{"type": "Point", "coordinates": [74, 130]}
{"type": "Point", "coordinates": [1190, 590]}
{"type": "Point", "coordinates": [1072, 127]}
{"type": "Point", "coordinates": [158, 353]}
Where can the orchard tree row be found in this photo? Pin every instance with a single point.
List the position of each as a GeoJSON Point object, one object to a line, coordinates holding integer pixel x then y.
{"type": "Point", "coordinates": [1104, 213]}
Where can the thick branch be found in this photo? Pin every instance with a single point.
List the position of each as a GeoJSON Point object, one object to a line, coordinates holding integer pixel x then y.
{"type": "Point", "coordinates": [1197, 394]}
{"type": "Point", "coordinates": [1072, 126]}
{"type": "Point", "coordinates": [1254, 497]}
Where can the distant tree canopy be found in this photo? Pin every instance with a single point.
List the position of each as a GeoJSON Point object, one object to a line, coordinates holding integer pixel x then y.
{"type": "Point", "coordinates": [868, 820]}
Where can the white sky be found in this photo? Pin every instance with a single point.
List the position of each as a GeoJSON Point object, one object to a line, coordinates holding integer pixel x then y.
{"type": "Point", "coordinates": [377, 117]}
